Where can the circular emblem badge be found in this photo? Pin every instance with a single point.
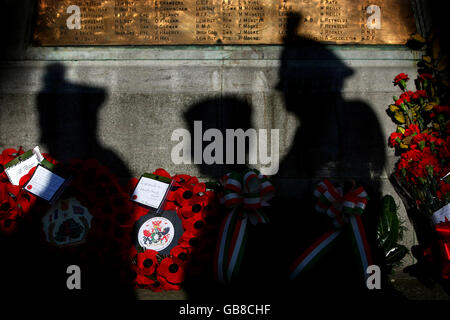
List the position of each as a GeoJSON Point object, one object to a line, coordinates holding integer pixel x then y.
{"type": "Point", "coordinates": [156, 234]}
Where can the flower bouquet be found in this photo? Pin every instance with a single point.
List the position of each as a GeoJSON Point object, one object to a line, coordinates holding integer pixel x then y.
{"type": "Point", "coordinates": [422, 142]}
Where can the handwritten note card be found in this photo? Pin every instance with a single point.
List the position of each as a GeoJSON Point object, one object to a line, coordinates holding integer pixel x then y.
{"type": "Point", "coordinates": [22, 167]}
{"type": "Point", "coordinates": [44, 183]}
{"type": "Point", "coordinates": [150, 192]}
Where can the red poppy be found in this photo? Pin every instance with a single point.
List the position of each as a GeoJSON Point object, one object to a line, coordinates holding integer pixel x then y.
{"type": "Point", "coordinates": [189, 239]}
{"type": "Point", "coordinates": [161, 284]}
{"type": "Point", "coordinates": [190, 210]}
{"type": "Point", "coordinates": [185, 179]}
{"type": "Point", "coordinates": [169, 206]}
{"type": "Point", "coordinates": [143, 280]}
{"type": "Point", "coordinates": [172, 270]}
{"type": "Point", "coordinates": [171, 194]}
{"type": "Point", "coordinates": [11, 153]}
{"type": "Point", "coordinates": [26, 201]}
{"type": "Point", "coordinates": [3, 192]}
{"type": "Point", "coordinates": [180, 252]}
{"type": "Point", "coordinates": [131, 185]}
{"type": "Point", "coordinates": [8, 226]}
{"type": "Point", "coordinates": [161, 172]}
{"type": "Point", "coordinates": [147, 262]}
{"type": "Point", "coordinates": [195, 224]}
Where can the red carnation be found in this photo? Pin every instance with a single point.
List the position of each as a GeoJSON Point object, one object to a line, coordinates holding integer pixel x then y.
{"type": "Point", "coordinates": [419, 94]}
{"type": "Point", "coordinates": [425, 76]}
{"type": "Point", "coordinates": [399, 102]}
{"type": "Point", "coordinates": [406, 96]}
{"type": "Point", "coordinates": [395, 139]}
{"type": "Point", "coordinates": [412, 130]}
{"type": "Point", "coordinates": [444, 189]}
{"type": "Point", "coordinates": [401, 80]}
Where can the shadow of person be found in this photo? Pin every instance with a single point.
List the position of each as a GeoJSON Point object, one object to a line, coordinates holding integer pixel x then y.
{"type": "Point", "coordinates": [338, 139]}
{"type": "Point", "coordinates": [68, 118]}
{"type": "Point", "coordinates": [221, 114]}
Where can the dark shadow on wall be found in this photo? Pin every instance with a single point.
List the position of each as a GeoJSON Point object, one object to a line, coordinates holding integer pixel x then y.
{"type": "Point", "coordinates": [338, 139]}
{"type": "Point", "coordinates": [68, 118]}
{"type": "Point", "coordinates": [226, 112]}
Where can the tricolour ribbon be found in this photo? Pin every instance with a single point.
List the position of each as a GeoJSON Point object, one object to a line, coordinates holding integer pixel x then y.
{"type": "Point", "coordinates": [344, 210]}
{"type": "Point", "coordinates": [244, 193]}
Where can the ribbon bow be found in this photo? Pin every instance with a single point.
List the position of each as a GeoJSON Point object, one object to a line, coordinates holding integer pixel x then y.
{"type": "Point", "coordinates": [244, 193]}
{"type": "Point", "coordinates": [344, 210]}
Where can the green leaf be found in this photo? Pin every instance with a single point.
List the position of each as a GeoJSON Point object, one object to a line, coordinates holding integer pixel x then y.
{"type": "Point", "coordinates": [388, 225]}
{"type": "Point", "coordinates": [396, 254]}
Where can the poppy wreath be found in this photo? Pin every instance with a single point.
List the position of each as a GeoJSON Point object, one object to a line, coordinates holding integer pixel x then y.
{"type": "Point", "coordinates": [197, 207]}
{"type": "Point", "coordinates": [99, 190]}
{"type": "Point", "coordinates": [15, 203]}
{"type": "Point", "coordinates": [96, 188]}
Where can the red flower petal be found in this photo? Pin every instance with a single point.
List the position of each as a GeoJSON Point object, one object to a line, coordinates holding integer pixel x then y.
{"type": "Point", "coordinates": [172, 270]}
{"type": "Point", "coordinates": [147, 262]}
{"type": "Point", "coordinates": [161, 172]}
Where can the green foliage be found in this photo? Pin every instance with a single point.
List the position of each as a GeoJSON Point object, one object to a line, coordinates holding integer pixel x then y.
{"type": "Point", "coordinates": [390, 232]}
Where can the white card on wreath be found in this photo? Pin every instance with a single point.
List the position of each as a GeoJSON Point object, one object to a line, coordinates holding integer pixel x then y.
{"type": "Point", "coordinates": [20, 166]}
{"type": "Point", "coordinates": [151, 190]}
{"type": "Point", "coordinates": [442, 214]}
{"type": "Point", "coordinates": [44, 183]}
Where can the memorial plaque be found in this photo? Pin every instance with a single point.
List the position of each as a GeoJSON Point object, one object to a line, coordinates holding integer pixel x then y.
{"type": "Point", "coordinates": [184, 22]}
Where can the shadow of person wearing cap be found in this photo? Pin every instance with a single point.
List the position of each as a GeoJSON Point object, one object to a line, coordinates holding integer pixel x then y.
{"type": "Point", "coordinates": [338, 139]}
{"type": "Point", "coordinates": [68, 119]}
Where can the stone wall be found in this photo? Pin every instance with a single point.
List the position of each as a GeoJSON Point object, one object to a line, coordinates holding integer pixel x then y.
{"type": "Point", "coordinates": [122, 104]}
